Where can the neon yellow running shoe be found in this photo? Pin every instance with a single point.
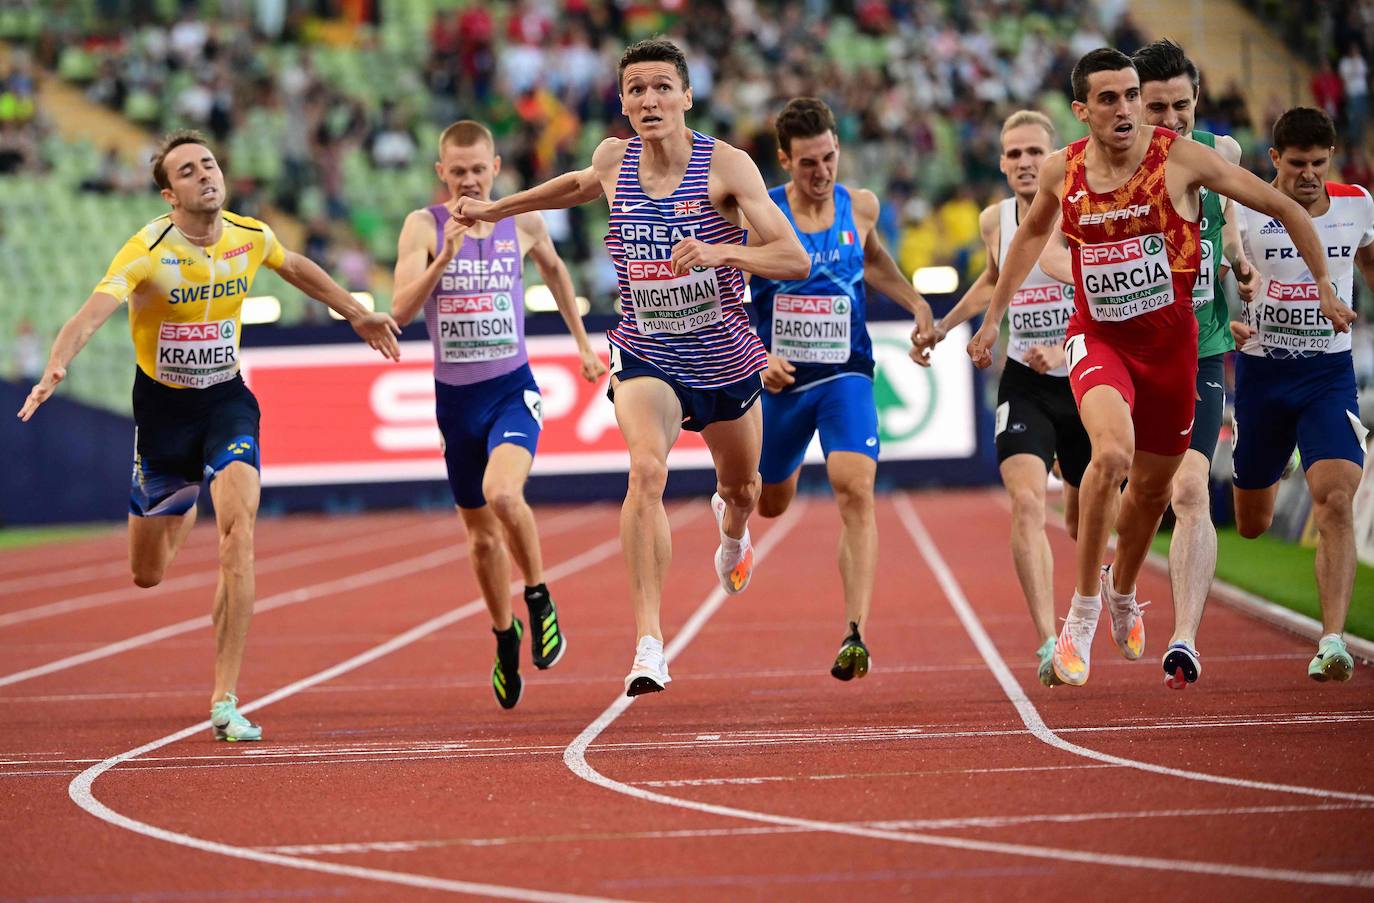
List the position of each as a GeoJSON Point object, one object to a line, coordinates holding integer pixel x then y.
{"type": "Point", "coordinates": [1332, 661]}
{"type": "Point", "coordinates": [853, 659]}
{"type": "Point", "coordinates": [505, 672]}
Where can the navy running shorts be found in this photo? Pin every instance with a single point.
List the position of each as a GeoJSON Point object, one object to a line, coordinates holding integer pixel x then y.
{"type": "Point", "coordinates": [182, 436]}
{"type": "Point", "coordinates": [1309, 402]}
{"type": "Point", "coordinates": [700, 407]}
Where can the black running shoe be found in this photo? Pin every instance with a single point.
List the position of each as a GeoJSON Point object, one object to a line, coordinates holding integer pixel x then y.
{"type": "Point", "coordinates": [505, 673]}
{"type": "Point", "coordinates": [547, 644]}
{"type": "Point", "coordinates": [852, 660]}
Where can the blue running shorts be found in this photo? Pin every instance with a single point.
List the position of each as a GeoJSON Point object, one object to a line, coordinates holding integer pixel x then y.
{"type": "Point", "coordinates": [840, 408]}
{"type": "Point", "coordinates": [475, 418]}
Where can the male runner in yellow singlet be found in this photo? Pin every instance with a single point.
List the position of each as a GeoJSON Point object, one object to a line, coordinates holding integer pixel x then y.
{"type": "Point", "coordinates": [185, 276]}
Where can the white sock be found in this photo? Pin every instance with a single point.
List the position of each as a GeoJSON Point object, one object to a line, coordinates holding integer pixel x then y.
{"type": "Point", "coordinates": [1328, 636]}
{"type": "Point", "coordinates": [733, 546]}
{"type": "Point", "coordinates": [1119, 600]}
{"type": "Point", "coordinates": [1086, 606]}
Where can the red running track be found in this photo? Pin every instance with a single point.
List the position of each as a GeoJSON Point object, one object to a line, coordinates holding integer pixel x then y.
{"type": "Point", "coordinates": [389, 771]}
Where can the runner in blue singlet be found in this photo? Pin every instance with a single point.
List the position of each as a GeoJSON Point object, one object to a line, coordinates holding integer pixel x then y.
{"type": "Point", "coordinates": [820, 362]}
{"type": "Point", "coordinates": [683, 355]}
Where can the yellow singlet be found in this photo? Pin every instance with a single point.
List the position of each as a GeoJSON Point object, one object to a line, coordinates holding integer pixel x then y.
{"type": "Point", "coordinates": [185, 300]}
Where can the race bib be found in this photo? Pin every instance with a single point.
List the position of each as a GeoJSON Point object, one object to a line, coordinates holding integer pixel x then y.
{"type": "Point", "coordinates": [1204, 289]}
{"type": "Point", "coordinates": [1127, 278]}
{"type": "Point", "coordinates": [197, 355]}
{"type": "Point", "coordinates": [812, 329]}
{"type": "Point", "coordinates": [1039, 315]}
{"type": "Point", "coordinates": [477, 327]}
{"type": "Point", "coordinates": [665, 303]}
{"type": "Point", "coordinates": [1288, 315]}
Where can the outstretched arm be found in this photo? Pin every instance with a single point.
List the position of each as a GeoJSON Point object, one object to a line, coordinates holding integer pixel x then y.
{"type": "Point", "coordinates": [979, 294]}
{"type": "Point", "coordinates": [1205, 167]}
{"type": "Point", "coordinates": [778, 254]}
{"type": "Point", "coordinates": [416, 275]}
{"type": "Point", "coordinates": [74, 335]}
{"type": "Point", "coordinates": [883, 274]}
{"type": "Point", "coordinates": [377, 329]}
{"type": "Point", "coordinates": [567, 190]}
{"type": "Point", "coordinates": [1022, 254]}
{"type": "Point", "coordinates": [556, 277]}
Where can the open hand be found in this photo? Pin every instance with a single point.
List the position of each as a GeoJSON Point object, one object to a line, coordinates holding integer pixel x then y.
{"type": "Point", "coordinates": [42, 391]}
{"type": "Point", "coordinates": [380, 332]}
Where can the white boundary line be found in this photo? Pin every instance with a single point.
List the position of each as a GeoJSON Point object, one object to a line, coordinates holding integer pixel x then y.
{"type": "Point", "coordinates": [575, 757]}
{"type": "Point", "coordinates": [81, 792]}
{"type": "Point", "coordinates": [1030, 716]}
{"type": "Point", "coordinates": [200, 554]}
{"type": "Point", "coordinates": [308, 553]}
{"type": "Point", "coordinates": [279, 600]}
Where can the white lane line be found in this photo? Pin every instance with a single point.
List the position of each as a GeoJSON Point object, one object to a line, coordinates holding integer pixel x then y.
{"type": "Point", "coordinates": [1027, 710]}
{"type": "Point", "coordinates": [575, 758]}
{"type": "Point", "coordinates": [411, 846]}
{"type": "Point", "coordinates": [278, 600]}
{"type": "Point", "coordinates": [315, 552]}
{"type": "Point", "coordinates": [201, 552]}
{"type": "Point", "coordinates": [81, 793]}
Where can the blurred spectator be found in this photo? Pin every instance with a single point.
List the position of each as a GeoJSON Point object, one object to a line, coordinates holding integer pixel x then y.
{"type": "Point", "coordinates": [1355, 82]}
{"type": "Point", "coordinates": [29, 353]}
{"type": "Point", "coordinates": [392, 146]}
{"type": "Point", "coordinates": [114, 176]}
{"type": "Point", "coordinates": [1327, 91]}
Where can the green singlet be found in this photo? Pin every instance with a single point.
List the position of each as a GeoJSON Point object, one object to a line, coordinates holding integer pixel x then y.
{"type": "Point", "coordinates": [1209, 300]}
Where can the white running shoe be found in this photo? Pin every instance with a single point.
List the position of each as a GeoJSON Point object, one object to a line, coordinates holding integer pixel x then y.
{"type": "Point", "coordinates": [1073, 649]}
{"type": "Point", "coordinates": [650, 671]}
{"type": "Point", "coordinates": [734, 570]}
{"type": "Point", "coordinates": [1128, 622]}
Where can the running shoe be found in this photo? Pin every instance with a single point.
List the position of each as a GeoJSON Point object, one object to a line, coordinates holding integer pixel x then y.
{"type": "Point", "coordinates": [1182, 666]}
{"type": "Point", "coordinates": [1332, 661]}
{"type": "Point", "coordinates": [548, 644]}
{"type": "Point", "coordinates": [1045, 670]}
{"type": "Point", "coordinates": [506, 682]}
{"type": "Point", "coordinates": [227, 724]}
{"type": "Point", "coordinates": [1128, 622]}
{"type": "Point", "coordinates": [852, 660]}
{"type": "Point", "coordinates": [1073, 649]}
{"type": "Point", "coordinates": [650, 671]}
{"type": "Point", "coordinates": [734, 570]}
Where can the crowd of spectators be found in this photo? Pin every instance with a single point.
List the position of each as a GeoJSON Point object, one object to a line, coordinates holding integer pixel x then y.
{"type": "Point", "coordinates": [919, 89]}
{"type": "Point", "coordinates": [21, 129]}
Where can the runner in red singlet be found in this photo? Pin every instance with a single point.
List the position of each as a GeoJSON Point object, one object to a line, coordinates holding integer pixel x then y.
{"type": "Point", "coordinates": [1130, 202]}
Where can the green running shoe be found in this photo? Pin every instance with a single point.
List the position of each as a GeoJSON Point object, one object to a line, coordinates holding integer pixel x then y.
{"type": "Point", "coordinates": [505, 673]}
{"type": "Point", "coordinates": [1045, 670]}
{"type": "Point", "coordinates": [548, 643]}
{"type": "Point", "coordinates": [227, 724]}
{"type": "Point", "coordinates": [1332, 661]}
{"type": "Point", "coordinates": [852, 660]}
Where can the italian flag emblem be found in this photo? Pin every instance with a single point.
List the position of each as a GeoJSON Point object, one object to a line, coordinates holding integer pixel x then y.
{"type": "Point", "coordinates": [846, 237]}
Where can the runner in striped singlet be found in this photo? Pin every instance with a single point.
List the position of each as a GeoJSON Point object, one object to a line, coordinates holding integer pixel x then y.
{"type": "Point", "coordinates": [1130, 202]}
{"type": "Point", "coordinates": [469, 283]}
{"type": "Point", "coordinates": [1169, 84]}
{"type": "Point", "coordinates": [683, 355]}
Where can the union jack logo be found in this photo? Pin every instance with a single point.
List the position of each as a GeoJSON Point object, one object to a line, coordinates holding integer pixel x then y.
{"type": "Point", "coordinates": [687, 208]}
{"type": "Point", "coordinates": [505, 247]}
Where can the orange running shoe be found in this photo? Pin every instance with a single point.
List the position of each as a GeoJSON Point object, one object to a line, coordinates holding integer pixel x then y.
{"type": "Point", "coordinates": [1073, 649]}
{"type": "Point", "coordinates": [1128, 621]}
{"type": "Point", "coordinates": [735, 569]}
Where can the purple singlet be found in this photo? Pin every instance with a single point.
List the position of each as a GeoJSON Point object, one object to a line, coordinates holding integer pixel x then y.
{"type": "Point", "coordinates": [476, 314]}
